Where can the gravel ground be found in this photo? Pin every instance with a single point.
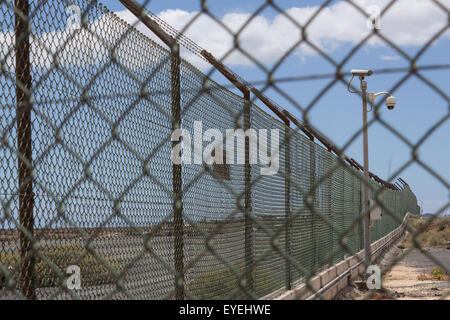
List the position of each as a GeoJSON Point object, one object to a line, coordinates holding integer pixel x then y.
{"type": "Point", "coordinates": [401, 282]}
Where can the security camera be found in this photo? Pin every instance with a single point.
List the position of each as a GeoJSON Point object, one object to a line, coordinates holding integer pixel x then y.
{"type": "Point", "coordinates": [361, 73]}
{"type": "Point", "coordinates": [391, 102]}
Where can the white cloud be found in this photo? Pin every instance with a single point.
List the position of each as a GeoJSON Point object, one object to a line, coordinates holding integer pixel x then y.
{"type": "Point", "coordinates": [406, 23]}
{"type": "Point", "coordinates": [49, 48]}
{"type": "Point", "coordinates": [90, 45]}
{"type": "Point", "coordinates": [390, 58]}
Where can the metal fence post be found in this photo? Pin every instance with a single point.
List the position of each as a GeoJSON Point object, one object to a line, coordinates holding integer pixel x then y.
{"type": "Point", "coordinates": [355, 246]}
{"type": "Point", "coordinates": [248, 226]}
{"type": "Point", "coordinates": [25, 178]}
{"type": "Point", "coordinates": [285, 115]}
{"type": "Point", "coordinates": [177, 178]}
{"type": "Point", "coordinates": [248, 200]}
{"type": "Point", "coordinates": [175, 64]}
{"type": "Point", "coordinates": [287, 200]}
{"type": "Point", "coordinates": [330, 210]}
{"type": "Point", "coordinates": [312, 172]}
{"type": "Point", "coordinates": [361, 216]}
{"type": "Point", "coordinates": [342, 217]}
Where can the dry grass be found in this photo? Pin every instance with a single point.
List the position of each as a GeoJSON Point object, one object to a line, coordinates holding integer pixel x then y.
{"type": "Point", "coordinates": [93, 271]}
{"type": "Point", "coordinates": [434, 274]}
{"type": "Point", "coordinates": [437, 234]}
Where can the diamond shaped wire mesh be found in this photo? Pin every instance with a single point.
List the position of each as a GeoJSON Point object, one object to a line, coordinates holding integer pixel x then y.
{"type": "Point", "coordinates": [87, 116]}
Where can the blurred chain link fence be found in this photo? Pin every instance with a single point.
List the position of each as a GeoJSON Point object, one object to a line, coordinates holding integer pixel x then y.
{"type": "Point", "coordinates": [87, 115]}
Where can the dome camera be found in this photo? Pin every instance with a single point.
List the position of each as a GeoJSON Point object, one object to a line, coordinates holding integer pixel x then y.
{"type": "Point", "coordinates": [391, 102]}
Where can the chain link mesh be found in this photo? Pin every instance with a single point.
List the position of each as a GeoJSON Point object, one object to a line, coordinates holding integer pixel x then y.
{"type": "Point", "coordinates": [87, 116]}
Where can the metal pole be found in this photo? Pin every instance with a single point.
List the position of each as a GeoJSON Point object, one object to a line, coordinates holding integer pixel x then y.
{"type": "Point", "coordinates": [248, 228]}
{"type": "Point", "coordinates": [330, 210]}
{"type": "Point", "coordinates": [367, 253]}
{"type": "Point", "coordinates": [177, 182]}
{"type": "Point", "coordinates": [23, 113]}
{"type": "Point", "coordinates": [248, 200]}
{"type": "Point", "coordinates": [287, 201]}
{"type": "Point", "coordinates": [312, 180]}
{"type": "Point", "coordinates": [177, 178]}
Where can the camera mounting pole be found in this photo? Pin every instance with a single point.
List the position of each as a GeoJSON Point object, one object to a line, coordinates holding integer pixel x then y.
{"type": "Point", "coordinates": [390, 103]}
{"type": "Point", "coordinates": [367, 251]}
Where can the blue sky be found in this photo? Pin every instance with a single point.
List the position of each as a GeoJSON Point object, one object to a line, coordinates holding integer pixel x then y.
{"type": "Point", "coordinates": [338, 113]}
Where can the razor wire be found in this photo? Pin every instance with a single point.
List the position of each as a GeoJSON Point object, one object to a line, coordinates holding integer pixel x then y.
{"type": "Point", "coordinates": [88, 178]}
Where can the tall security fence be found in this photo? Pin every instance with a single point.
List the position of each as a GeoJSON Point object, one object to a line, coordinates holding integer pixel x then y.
{"type": "Point", "coordinates": [89, 181]}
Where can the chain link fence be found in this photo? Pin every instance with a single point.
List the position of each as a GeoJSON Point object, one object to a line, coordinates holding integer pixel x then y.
{"type": "Point", "coordinates": [88, 177]}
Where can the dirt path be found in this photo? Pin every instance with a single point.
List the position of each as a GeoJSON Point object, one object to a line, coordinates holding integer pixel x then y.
{"type": "Point", "coordinates": [401, 282]}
